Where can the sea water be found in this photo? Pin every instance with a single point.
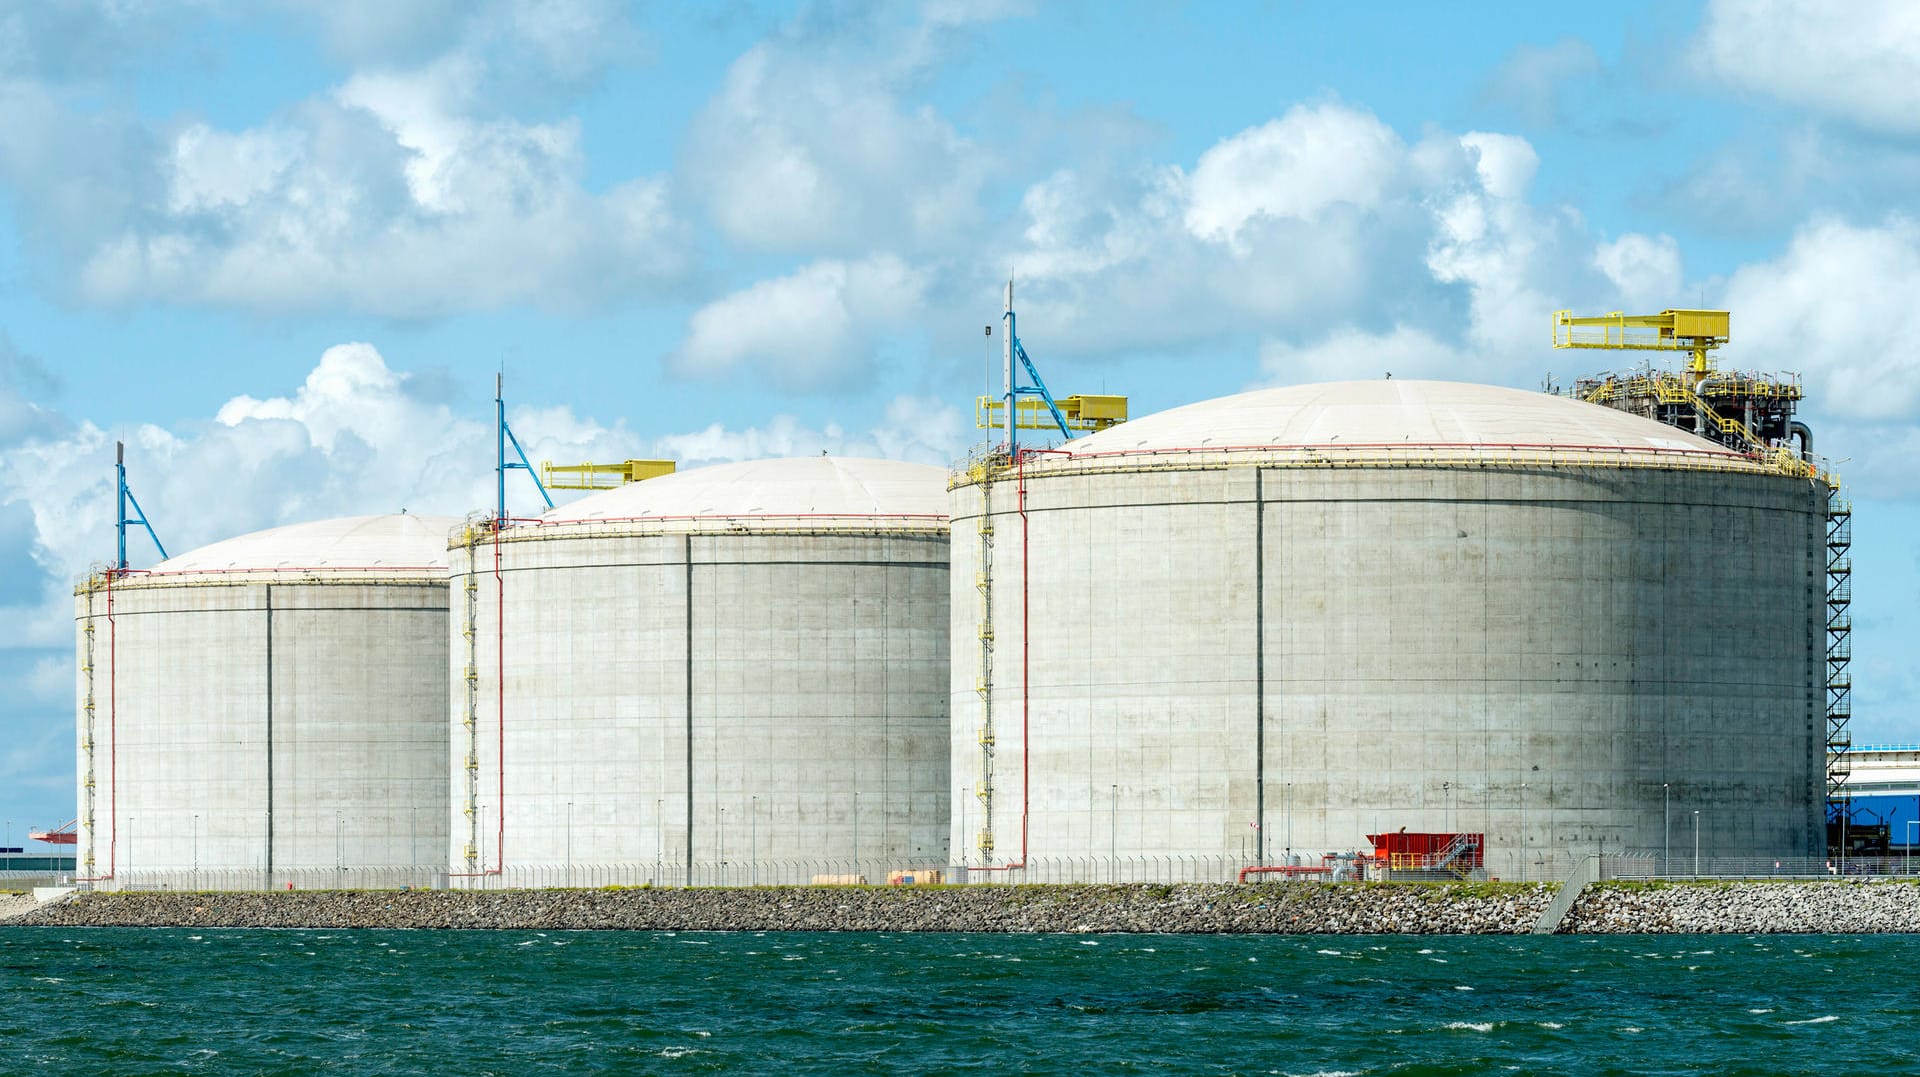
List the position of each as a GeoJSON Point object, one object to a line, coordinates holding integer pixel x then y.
{"type": "Point", "coordinates": [150, 1001]}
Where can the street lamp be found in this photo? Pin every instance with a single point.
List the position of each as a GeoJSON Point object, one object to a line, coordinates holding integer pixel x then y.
{"type": "Point", "coordinates": [1696, 843]}
{"type": "Point", "coordinates": [1113, 832]}
{"type": "Point", "coordinates": [753, 841]}
{"type": "Point", "coordinates": [569, 843]}
{"type": "Point", "coordinates": [1911, 823]}
{"type": "Point", "coordinates": [1289, 859]}
{"type": "Point", "coordinates": [1523, 825]}
{"type": "Point", "coordinates": [1446, 796]}
{"type": "Point", "coordinates": [1666, 812]}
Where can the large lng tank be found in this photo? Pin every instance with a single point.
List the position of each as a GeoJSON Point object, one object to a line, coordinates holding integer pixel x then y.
{"type": "Point", "coordinates": [1278, 622]}
{"type": "Point", "coordinates": [734, 673]}
{"type": "Point", "coordinates": [268, 709]}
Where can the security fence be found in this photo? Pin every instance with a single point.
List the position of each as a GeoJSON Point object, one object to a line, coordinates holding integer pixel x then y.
{"type": "Point", "coordinates": [1538, 866]}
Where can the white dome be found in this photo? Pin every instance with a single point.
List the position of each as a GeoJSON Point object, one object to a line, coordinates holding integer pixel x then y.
{"type": "Point", "coordinates": [399, 542]}
{"type": "Point", "coordinates": [1392, 413]}
{"type": "Point", "coordinates": [817, 489]}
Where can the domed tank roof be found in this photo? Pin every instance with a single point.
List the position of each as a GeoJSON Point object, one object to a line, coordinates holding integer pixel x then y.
{"type": "Point", "coordinates": [376, 544]}
{"type": "Point", "coordinates": [818, 489]}
{"type": "Point", "coordinates": [1390, 413]}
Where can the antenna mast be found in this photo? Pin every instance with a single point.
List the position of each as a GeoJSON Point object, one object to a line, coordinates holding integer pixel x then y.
{"type": "Point", "coordinates": [123, 496]}
{"type": "Point", "coordinates": [502, 437]}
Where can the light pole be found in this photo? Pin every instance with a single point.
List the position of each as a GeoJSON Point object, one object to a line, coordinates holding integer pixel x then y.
{"type": "Point", "coordinates": [1696, 843]}
{"type": "Point", "coordinates": [1446, 796]}
{"type": "Point", "coordinates": [1666, 809]}
{"type": "Point", "coordinates": [1113, 832]}
{"type": "Point", "coordinates": [1289, 849]}
{"type": "Point", "coordinates": [1523, 827]}
{"type": "Point", "coordinates": [569, 843]}
{"type": "Point", "coordinates": [753, 841]}
{"type": "Point", "coordinates": [723, 846]}
{"type": "Point", "coordinates": [1911, 823]}
{"type": "Point", "coordinates": [658, 848]}
{"type": "Point", "coordinates": [196, 850]}
{"type": "Point", "coordinates": [856, 823]}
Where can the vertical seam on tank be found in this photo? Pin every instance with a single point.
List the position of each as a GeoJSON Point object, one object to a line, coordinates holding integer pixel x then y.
{"type": "Point", "coordinates": [269, 854]}
{"type": "Point", "coordinates": [1259, 668]}
{"type": "Point", "coordinates": [686, 549]}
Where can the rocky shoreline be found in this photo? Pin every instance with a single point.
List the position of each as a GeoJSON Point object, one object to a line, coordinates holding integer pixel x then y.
{"type": "Point", "coordinates": [1746, 908]}
{"type": "Point", "coordinates": [1282, 908]}
{"type": "Point", "coordinates": [1705, 907]}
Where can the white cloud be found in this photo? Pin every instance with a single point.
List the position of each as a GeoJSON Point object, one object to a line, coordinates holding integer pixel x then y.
{"type": "Point", "coordinates": [1838, 305]}
{"type": "Point", "coordinates": [1859, 61]}
{"type": "Point", "coordinates": [1645, 270]}
{"type": "Point", "coordinates": [401, 193]}
{"type": "Point", "coordinates": [1302, 231]}
{"type": "Point", "coordinates": [213, 169]}
{"type": "Point", "coordinates": [1505, 163]}
{"type": "Point", "coordinates": [799, 152]}
{"type": "Point", "coordinates": [355, 437]}
{"type": "Point", "coordinates": [811, 329]}
{"type": "Point", "coordinates": [1295, 166]}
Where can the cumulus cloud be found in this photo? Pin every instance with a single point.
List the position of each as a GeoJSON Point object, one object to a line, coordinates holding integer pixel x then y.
{"type": "Point", "coordinates": [1858, 61]}
{"type": "Point", "coordinates": [1644, 269]}
{"type": "Point", "coordinates": [803, 152]}
{"type": "Point", "coordinates": [1838, 305]}
{"type": "Point", "coordinates": [1331, 238]}
{"type": "Point", "coordinates": [1296, 166]}
{"type": "Point", "coordinates": [401, 192]}
{"type": "Point", "coordinates": [356, 437]}
{"type": "Point", "coordinates": [814, 328]}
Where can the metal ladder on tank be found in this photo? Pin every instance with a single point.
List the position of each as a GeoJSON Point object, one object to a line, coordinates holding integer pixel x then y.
{"type": "Point", "coordinates": [87, 734]}
{"type": "Point", "coordinates": [983, 684]}
{"type": "Point", "coordinates": [471, 718]}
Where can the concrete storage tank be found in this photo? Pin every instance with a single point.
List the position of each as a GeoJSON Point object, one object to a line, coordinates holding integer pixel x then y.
{"type": "Point", "coordinates": [734, 673]}
{"type": "Point", "coordinates": [268, 709]}
{"type": "Point", "coordinates": [1278, 622]}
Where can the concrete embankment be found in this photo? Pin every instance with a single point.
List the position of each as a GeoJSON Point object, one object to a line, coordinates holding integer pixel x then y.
{"type": "Point", "coordinates": [1683, 908]}
{"type": "Point", "coordinates": [1287, 908]}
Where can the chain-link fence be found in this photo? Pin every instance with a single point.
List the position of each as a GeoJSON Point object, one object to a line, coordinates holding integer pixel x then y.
{"type": "Point", "coordinates": [1538, 866]}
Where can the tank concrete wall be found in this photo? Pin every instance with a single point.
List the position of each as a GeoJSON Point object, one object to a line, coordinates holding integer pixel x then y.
{"type": "Point", "coordinates": [1249, 662]}
{"type": "Point", "coordinates": [739, 706]}
{"type": "Point", "coordinates": [283, 727]}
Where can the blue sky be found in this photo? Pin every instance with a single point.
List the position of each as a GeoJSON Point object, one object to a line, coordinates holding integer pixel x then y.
{"type": "Point", "coordinates": [280, 247]}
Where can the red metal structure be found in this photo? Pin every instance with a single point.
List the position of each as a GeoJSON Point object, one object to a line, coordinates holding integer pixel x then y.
{"type": "Point", "coordinates": [64, 834]}
{"type": "Point", "coordinates": [1407, 851]}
